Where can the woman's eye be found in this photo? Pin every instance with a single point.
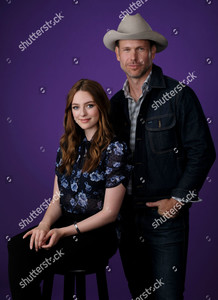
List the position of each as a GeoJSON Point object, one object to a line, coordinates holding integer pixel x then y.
{"type": "Point", "coordinates": [74, 107]}
{"type": "Point", "coordinates": [90, 105]}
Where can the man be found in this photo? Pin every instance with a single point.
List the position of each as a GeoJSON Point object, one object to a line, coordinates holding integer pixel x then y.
{"type": "Point", "coordinates": [162, 121]}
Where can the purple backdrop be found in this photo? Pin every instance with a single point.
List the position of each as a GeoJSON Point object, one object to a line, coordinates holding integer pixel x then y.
{"type": "Point", "coordinates": [35, 80]}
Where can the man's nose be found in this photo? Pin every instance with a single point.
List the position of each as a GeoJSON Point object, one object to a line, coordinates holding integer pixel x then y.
{"type": "Point", "coordinates": [133, 55]}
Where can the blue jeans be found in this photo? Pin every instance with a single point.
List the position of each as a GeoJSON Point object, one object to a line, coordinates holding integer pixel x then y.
{"type": "Point", "coordinates": [153, 251]}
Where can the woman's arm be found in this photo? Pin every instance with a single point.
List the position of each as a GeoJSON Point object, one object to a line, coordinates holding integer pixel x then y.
{"type": "Point", "coordinates": [52, 214]}
{"type": "Point", "coordinates": [112, 203]}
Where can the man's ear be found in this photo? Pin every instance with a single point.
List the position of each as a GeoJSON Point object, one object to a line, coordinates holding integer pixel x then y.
{"type": "Point", "coordinates": [117, 51]}
{"type": "Point", "coordinates": [153, 51]}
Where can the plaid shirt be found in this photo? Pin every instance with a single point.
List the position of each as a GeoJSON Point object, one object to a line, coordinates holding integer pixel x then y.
{"type": "Point", "coordinates": [134, 108]}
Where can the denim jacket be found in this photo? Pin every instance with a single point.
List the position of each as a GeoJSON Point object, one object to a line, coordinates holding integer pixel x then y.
{"type": "Point", "coordinates": [174, 150]}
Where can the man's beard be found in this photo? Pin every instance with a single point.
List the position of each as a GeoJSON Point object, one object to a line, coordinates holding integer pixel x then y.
{"type": "Point", "coordinates": [143, 72]}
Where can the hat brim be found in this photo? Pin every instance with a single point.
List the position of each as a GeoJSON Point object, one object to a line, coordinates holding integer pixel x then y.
{"type": "Point", "coordinates": [112, 36]}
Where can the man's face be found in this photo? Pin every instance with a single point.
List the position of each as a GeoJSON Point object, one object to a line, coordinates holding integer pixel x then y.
{"type": "Point", "coordinates": [135, 57]}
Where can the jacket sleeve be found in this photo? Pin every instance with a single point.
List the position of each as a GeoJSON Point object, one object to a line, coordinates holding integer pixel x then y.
{"type": "Point", "coordinates": [195, 142]}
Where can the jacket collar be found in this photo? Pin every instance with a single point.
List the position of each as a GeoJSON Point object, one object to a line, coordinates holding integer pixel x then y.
{"type": "Point", "coordinates": [155, 81]}
{"type": "Point", "coordinates": [157, 78]}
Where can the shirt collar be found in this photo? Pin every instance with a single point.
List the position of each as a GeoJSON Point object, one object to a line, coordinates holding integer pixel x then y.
{"type": "Point", "coordinates": [145, 86]}
{"type": "Point", "coordinates": [85, 141]}
{"type": "Point", "coordinates": [84, 146]}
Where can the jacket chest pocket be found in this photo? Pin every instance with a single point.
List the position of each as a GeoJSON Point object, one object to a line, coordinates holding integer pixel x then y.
{"type": "Point", "coordinates": [161, 133]}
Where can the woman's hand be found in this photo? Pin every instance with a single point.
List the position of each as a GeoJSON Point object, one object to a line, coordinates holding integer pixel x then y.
{"type": "Point", "coordinates": [38, 235]}
{"type": "Point", "coordinates": [55, 235]}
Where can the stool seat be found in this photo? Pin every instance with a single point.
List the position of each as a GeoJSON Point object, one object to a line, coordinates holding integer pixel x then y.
{"type": "Point", "coordinates": [77, 278]}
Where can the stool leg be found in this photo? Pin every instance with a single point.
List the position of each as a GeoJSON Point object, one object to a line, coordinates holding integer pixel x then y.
{"type": "Point", "coordinates": [102, 284]}
{"type": "Point", "coordinates": [81, 286]}
{"type": "Point", "coordinates": [69, 286]}
{"type": "Point", "coordinates": [47, 287]}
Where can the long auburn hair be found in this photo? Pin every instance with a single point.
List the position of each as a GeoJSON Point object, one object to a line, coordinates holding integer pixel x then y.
{"type": "Point", "coordinates": [73, 134]}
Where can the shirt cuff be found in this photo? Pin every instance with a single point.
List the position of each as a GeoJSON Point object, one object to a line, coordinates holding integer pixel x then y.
{"type": "Point", "coordinates": [178, 199]}
{"type": "Point", "coordinates": [186, 200]}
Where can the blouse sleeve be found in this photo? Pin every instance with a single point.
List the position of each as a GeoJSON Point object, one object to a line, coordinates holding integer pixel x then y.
{"type": "Point", "coordinates": [118, 168]}
{"type": "Point", "coordinates": [58, 161]}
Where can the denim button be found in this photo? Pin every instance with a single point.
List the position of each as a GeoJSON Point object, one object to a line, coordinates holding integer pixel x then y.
{"type": "Point", "coordinates": [142, 179]}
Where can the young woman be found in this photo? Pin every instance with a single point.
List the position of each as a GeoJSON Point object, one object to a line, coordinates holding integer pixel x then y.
{"type": "Point", "coordinates": [92, 171]}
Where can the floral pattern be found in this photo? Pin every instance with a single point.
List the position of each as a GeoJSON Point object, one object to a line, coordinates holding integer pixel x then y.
{"type": "Point", "coordinates": [83, 193]}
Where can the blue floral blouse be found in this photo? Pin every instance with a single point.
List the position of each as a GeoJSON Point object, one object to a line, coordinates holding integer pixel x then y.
{"type": "Point", "coordinates": [83, 192]}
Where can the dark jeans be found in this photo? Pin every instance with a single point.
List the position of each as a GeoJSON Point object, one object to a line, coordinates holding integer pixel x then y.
{"type": "Point", "coordinates": [27, 267]}
{"type": "Point", "coordinates": [153, 251]}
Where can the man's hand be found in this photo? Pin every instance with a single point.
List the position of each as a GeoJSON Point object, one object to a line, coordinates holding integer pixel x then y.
{"type": "Point", "coordinates": [170, 207]}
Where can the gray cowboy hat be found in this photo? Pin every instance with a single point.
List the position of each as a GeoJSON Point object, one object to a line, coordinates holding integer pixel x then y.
{"type": "Point", "coordinates": [134, 28]}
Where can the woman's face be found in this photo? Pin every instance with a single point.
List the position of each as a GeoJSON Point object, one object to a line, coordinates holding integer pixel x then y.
{"type": "Point", "coordinates": [85, 113]}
